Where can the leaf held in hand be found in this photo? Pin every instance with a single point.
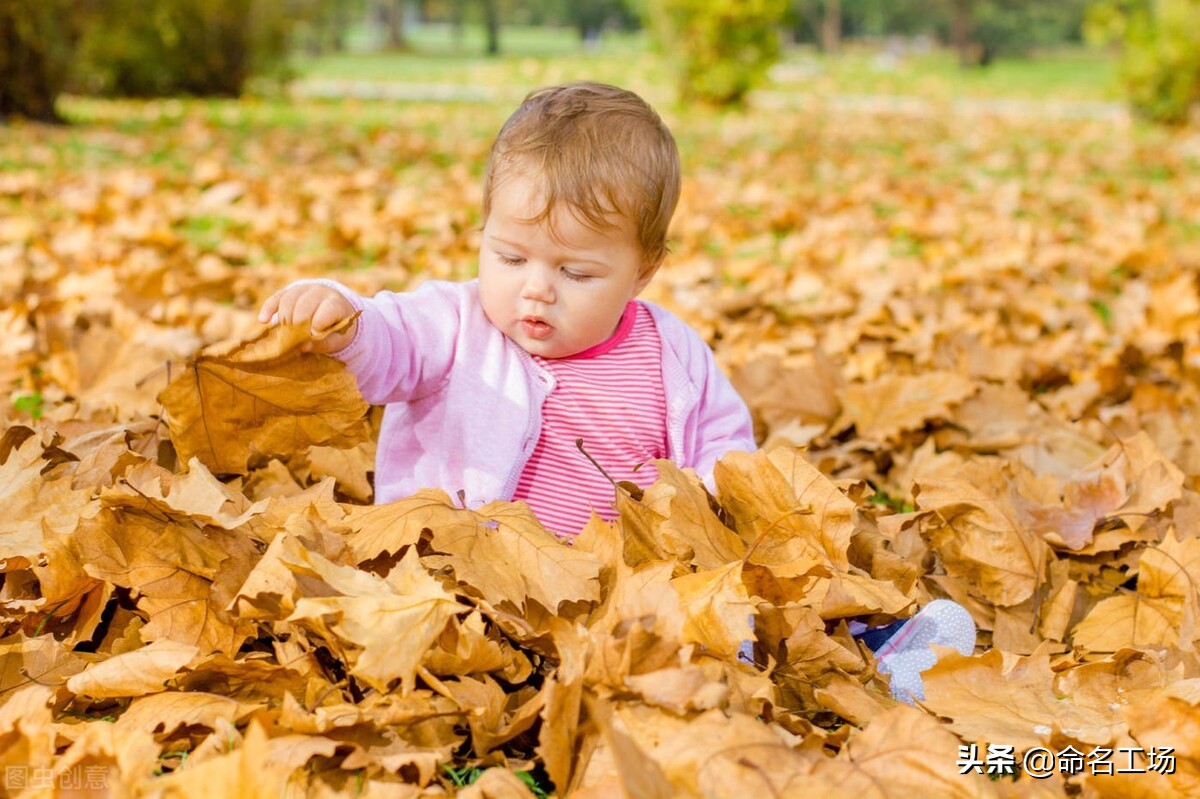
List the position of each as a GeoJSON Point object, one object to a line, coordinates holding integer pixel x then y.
{"type": "Point", "coordinates": [263, 395]}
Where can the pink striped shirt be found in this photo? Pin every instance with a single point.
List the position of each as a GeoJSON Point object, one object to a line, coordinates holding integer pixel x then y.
{"type": "Point", "coordinates": [612, 397]}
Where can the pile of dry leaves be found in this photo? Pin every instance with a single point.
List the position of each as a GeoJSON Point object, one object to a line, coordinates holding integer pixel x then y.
{"type": "Point", "coordinates": [972, 354]}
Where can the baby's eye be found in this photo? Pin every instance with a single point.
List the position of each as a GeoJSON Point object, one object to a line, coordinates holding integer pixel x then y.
{"type": "Point", "coordinates": [510, 260]}
{"type": "Point", "coordinates": [582, 278]}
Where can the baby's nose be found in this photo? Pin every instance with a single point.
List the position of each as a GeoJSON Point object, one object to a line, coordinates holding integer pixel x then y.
{"type": "Point", "coordinates": [538, 289]}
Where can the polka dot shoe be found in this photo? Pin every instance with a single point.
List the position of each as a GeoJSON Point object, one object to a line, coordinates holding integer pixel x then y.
{"type": "Point", "coordinates": [908, 653]}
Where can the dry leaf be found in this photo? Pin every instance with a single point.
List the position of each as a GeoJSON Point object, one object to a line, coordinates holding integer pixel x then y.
{"type": "Point", "coordinates": [392, 619]}
{"type": "Point", "coordinates": [263, 396]}
{"type": "Point", "coordinates": [134, 673]}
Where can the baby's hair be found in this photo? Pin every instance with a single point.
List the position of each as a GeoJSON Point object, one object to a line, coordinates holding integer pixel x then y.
{"type": "Point", "coordinates": [601, 150]}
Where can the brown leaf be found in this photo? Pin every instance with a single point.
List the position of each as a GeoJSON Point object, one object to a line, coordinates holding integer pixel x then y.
{"type": "Point", "coordinates": [902, 753]}
{"type": "Point", "coordinates": [34, 506]}
{"type": "Point", "coordinates": [559, 742]}
{"type": "Point", "coordinates": [1086, 500]}
{"type": "Point", "coordinates": [42, 660]}
{"type": "Point", "coordinates": [1161, 612]}
{"type": "Point", "coordinates": [689, 528]}
{"type": "Point", "coordinates": [639, 626]}
{"type": "Point", "coordinates": [124, 757]}
{"type": "Point", "coordinates": [496, 783]}
{"type": "Point", "coordinates": [890, 405]}
{"type": "Point", "coordinates": [134, 673]}
{"type": "Point", "coordinates": [348, 466]}
{"type": "Point", "coordinates": [27, 728]}
{"type": "Point", "coordinates": [168, 711]}
{"type": "Point", "coordinates": [392, 619]}
{"type": "Point", "coordinates": [1001, 697]}
{"type": "Point", "coordinates": [716, 609]}
{"type": "Point", "coordinates": [791, 515]}
{"type": "Point", "coordinates": [981, 540]}
{"type": "Point", "coordinates": [387, 529]}
{"type": "Point", "coordinates": [195, 494]}
{"type": "Point", "coordinates": [1168, 721]}
{"type": "Point", "coordinates": [804, 392]}
{"type": "Point", "coordinates": [263, 395]}
{"type": "Point", "coordinates": [172, 566]}
{"type": "Point", "coordinates": [245, 773]}
{"type": "Point", "coordinates": [485, 548]}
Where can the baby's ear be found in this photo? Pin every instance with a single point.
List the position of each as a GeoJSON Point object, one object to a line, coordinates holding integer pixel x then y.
{"type": "Point", "coordinates": [649, 270]}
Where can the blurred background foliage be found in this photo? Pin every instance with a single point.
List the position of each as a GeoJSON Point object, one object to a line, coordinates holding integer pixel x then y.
{"type": "Point", "coordinates": [717, 50]}
{"type": "Point", "coordinates": [1161, 56]}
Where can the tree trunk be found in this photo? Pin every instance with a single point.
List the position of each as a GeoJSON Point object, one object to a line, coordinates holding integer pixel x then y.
{"type": "Point", "coordinates": [960, 32]}
{"type": "Point", "coordinates": [30, 78]}
{"type": "Point", "coordinates": [491, 19]}
{"type": "Point", "coordinates": [394, 9]}
{"type": "Point", "coordinates": [831, 27]}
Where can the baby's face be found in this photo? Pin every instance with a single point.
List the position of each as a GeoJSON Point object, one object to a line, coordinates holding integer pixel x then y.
{"type": "Point", "coordinates": [554, 294]}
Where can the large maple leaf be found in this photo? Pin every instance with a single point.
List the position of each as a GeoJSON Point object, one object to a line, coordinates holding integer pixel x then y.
{"type": "Point", "coordinates": [264, 395]}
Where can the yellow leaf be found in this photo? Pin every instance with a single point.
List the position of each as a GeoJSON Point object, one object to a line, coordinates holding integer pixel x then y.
{"type": "Point", "coordinates": [716, 608]}
{"type": "Point", "coordinates": [245, 773]}
{"type": "Point", "coordinates": [196, 494]}
{"type": "Point", "coordinates": [505, 554]}
{"type": "Point", "coordinates": [690, 528]}
{"type": "Point", "coordinates": [1015, 700]}
{"type": "Point", "coordinates": [393, 620]}
{"type": "Point", "coordinates": [903, 753]}
{"type": "Point", "coordinates": [1160, 613]}
{"type": "Point", "coordinates": [34, 506]}
{"type": "Point", "coordinates": [136, 673]}
{"type": "Point", "coordinates": [263, 395]}
{"type": "Point", "coordinates": [388, 528]}
{"type": "Point", "coordinates": [559, 742]}
{"type": "Point", "coordinates": [887, 406]}
{"type": "Point", "coordinates": [168, 711]}
{"type": "Point", "coordinates": [792, 517]}
{"type": "Point", "coordinates": [496, 783]}
{"type": "Point", "coordinates": [172, 566]}
{"type": "Point", "coordinates": [981, 541]}
{"type": "Point", "coordinates": [348, 466]}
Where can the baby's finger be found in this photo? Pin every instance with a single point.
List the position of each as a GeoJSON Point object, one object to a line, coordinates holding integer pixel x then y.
{"type": "Point", "coordinates": [285, 308]}
{"type": "Point", "coordinates": [269, 307]}
{"type": "Point", "coordinates": [329, 313]}
{"type": "Point", "coordinates": [305, 308]}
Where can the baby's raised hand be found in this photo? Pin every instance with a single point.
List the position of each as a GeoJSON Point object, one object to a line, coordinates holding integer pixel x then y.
{"type": "Point", "coordinates": [317, 306]}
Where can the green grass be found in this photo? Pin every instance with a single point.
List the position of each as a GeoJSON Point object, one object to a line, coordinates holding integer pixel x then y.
{"type": "Point", "coordinates": [1072, 74]}
{"type": "Point", "coordinates": [529, 57]}
{"type": "Point", "coordinates": [534, 56]}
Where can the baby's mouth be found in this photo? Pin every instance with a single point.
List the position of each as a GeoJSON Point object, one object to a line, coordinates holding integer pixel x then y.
{"type": "Point", "coordinates": [536, 328]}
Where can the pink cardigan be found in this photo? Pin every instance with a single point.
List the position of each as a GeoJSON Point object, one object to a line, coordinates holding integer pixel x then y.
{"type": "Point", "coordinates": [464, 402]}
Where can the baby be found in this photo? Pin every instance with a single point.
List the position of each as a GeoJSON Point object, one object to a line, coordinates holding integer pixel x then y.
{"type": "Point", "coordinates": [489, 384]}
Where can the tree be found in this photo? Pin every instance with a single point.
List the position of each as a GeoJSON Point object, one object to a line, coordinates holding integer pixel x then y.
{"type": "Point", "coordinates": [723, 47]}
{"type": "Point", "coordinates": [591, 16]}
{"type": "Point", "coordinates": [391, 14]}
{"type": "Point", "coordinates": [161, 47]}
{"type": "Point", "coordinates": [36, 40]}
{"type": "Point", "coordinates": [981, 30]}
{"type": "Point", "coordinates": [491, 23]}
{"type": "Point", "coordinates": [1160, 60]}
{"type": "Point", "coordinates": [831, 27]}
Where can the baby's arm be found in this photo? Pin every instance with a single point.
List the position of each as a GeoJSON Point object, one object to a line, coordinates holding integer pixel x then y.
{"type": "Point", "coordinates": [723, 422]}
{"type": "Point", "coordinates": [719, 422]}
{"type": "Point", "coordinates": [400, 347]}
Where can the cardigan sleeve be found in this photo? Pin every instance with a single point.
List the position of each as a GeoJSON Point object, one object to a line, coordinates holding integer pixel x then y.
{"type": "Point", "coordinates": [721, 420]}
{"type": "Point", "coordinates": [716, 420]}
{"type": "Point", "coordinates": [405, 342]}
